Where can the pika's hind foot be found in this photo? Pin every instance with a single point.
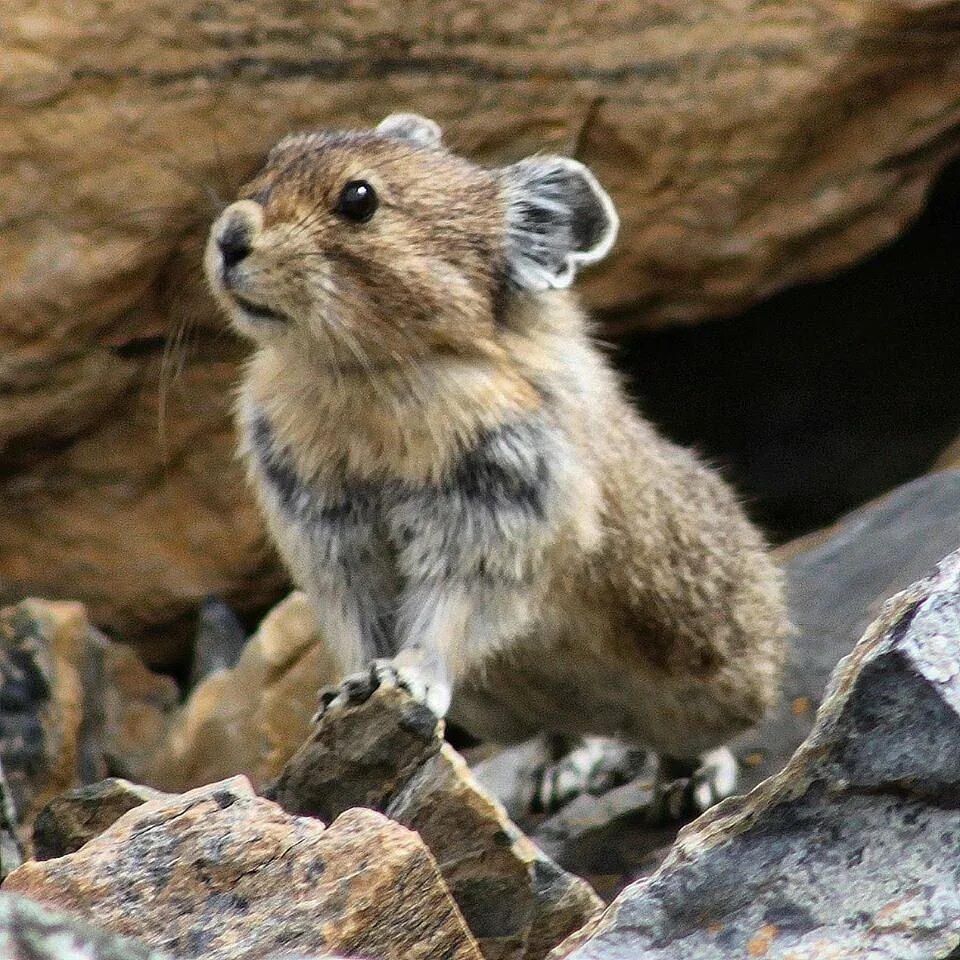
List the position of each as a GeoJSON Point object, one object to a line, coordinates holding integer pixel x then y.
{"type": "Point", "coordinates": [685, 788]}
{"type": "Point", "coordinates": [359, 687]}
{"type": "Point", "coordinates": [594, 766]}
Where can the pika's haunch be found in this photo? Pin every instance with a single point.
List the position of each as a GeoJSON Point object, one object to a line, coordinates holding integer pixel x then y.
{"type": "Point", "coordinates": [449, 465]}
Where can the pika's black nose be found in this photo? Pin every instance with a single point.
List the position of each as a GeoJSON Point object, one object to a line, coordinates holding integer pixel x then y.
{"type": "Point", "coordinates": [234, 241]}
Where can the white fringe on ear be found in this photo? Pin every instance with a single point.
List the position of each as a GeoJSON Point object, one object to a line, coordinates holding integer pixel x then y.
{"type": "Point", "coordinates": [411, 127]}
{"type": "Point", "coordinates": [541, 229]}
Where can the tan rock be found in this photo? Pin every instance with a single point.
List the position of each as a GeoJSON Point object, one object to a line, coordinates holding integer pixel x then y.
{"type": "Point", "coordinates": [387, 753]}
{"type": "Point", "coordinates": [516, 900]}
{"type": "Point", "coordinates": [251, 718]}
{"type": "Point", "coordinates": [222, 874]}
{"type": "Point", "coordinates": [746, 146]}
{"type": "Point", "coordinates": [76, 705]}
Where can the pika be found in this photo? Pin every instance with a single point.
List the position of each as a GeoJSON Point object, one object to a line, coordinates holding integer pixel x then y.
{"type": "Point", "coordinates": [450, 467]}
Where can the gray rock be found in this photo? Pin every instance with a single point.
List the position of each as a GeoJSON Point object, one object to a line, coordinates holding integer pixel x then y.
{"type": "Point", "coordinates": [68, 821]}
{"type": "Point", "coordinates": [510, 774]}
{"type": "Point", "coordinates": [837, 582]}
{"type": "Point", "coordinates": [853, 850]}
{"type": "Point", "coordinates": [609, 837]}
{"type": "Point", "coordinates": [219, 640]}
{"type": "Point", "coordinates": [31, 932]}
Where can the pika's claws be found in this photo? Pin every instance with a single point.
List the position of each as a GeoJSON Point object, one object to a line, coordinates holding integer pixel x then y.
{"type": "Point", "coordinates": [359, 687]}
{"type": "Point", "coordinates": [684, 791]}
{"type": "Point", "coordinates": [594, 767]}
{"type": "Point", "coordinates": [715, 778]}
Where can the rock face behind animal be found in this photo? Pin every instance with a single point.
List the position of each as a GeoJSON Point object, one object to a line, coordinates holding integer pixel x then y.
{"type": "Point", "coordinates": [745, 146]}
{"type": "Point", "coordinates": [449, 466]}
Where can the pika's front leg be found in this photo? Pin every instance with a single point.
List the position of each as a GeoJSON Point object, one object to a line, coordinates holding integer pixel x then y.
{"type": "Point", "coordinates": [435, 627]}
{"type": "Point", "coordinates": [432, 628]}
{"type": "Point", "coordinates": [469, 554]}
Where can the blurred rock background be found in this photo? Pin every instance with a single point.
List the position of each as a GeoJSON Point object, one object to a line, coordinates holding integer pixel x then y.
{"type": "Point", "coordinates": [783, 295]}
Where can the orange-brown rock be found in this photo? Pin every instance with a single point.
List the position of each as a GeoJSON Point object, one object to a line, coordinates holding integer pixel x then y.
{"type": "Point", "coordinates": [75, 705]}
{"type": "Point", "coordinates": [747, 146]}
{"type": "Point", "coordinates": [222, 874]}
{"type": "Point", "coordinates": [251, 718]}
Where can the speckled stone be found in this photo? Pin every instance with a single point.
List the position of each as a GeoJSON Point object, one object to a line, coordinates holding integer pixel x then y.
{"type": "Point", "coordinates": [222, 874]}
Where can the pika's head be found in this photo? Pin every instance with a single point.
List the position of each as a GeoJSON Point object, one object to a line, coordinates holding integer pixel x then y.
{"type": "Point", "coordinates": [384, 245]}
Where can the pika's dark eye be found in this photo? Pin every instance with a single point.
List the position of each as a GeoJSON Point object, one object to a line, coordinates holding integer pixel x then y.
{"type": "Point", "coordinates": [358, 201]}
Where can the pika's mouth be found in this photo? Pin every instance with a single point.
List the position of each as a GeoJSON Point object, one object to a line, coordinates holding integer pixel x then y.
{"type": "Point", "coordinates": [257, 310]}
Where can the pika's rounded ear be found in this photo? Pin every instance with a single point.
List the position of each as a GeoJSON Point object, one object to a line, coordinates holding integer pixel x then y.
{"type": "Point", "coordinates": [411, 127]}
{"type": "Point", "coordinates": [559, 219]}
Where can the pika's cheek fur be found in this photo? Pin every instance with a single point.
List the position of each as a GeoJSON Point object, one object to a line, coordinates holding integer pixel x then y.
{"type": "Point", "coordinates": [270, 282]}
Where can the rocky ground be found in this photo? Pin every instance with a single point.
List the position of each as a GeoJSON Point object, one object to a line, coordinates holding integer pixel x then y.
{"type": "Point", "coordinates": [229, 826]}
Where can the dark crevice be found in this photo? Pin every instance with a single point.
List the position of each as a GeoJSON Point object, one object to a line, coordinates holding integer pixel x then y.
{"type": "Point", "coordinates": [828, 394]}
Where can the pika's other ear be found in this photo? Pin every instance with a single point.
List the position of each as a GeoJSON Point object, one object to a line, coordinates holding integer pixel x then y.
{"type": "Point", "coordinates": [411, 127]}
{"type": "Point", "coordinates": [559, 219]}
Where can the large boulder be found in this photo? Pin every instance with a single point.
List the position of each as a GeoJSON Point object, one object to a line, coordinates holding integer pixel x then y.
{"type": "Point", "coordinates": [746, 147]}
{"type": "Point", "coordinates": [853, 850]}
{"type": "Point", "coordinates": [221, 874]}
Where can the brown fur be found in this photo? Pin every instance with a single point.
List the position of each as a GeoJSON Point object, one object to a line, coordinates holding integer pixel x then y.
{"type": "Point", "coordinates": [655, 611]}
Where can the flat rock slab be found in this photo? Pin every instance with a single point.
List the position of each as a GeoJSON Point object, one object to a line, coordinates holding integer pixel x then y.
{"type": "Point", "coordinates": [853, 850]}
{"type": "Point", "coordinates": [222, 874]}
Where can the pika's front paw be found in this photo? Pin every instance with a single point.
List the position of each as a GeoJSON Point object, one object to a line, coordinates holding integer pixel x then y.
{"type": "Point", "coordinates": [359, 687]}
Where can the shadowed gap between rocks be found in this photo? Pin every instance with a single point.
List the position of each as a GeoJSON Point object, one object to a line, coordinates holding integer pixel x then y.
{"type": "Point", "coordinates": [825, 395]}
